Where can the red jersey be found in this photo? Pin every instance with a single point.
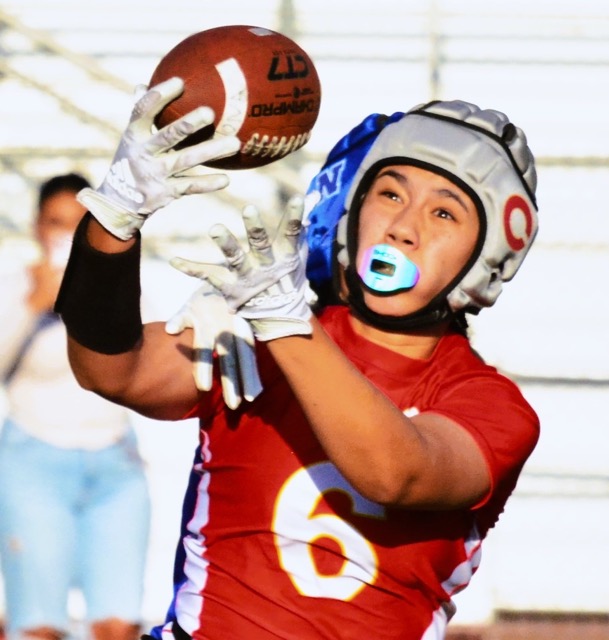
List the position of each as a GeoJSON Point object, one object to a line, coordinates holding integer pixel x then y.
{"type": "Point", "coordinates": [276, 544]}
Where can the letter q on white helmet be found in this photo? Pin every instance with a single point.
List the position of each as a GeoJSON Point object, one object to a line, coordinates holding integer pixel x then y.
{"type": "Point", "coordinates": [483, 153]}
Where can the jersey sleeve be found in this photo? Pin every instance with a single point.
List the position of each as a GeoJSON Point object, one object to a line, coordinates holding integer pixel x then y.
{"type": "Point", "coordinates": [506, 428]}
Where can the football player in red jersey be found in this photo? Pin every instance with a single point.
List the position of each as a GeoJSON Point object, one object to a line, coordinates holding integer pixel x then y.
{"type": "Point", "coordinates": [348, 496]}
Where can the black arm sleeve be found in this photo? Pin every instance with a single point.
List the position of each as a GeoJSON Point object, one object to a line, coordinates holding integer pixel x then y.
{"type": "Point", "coordinates": [99, 297]}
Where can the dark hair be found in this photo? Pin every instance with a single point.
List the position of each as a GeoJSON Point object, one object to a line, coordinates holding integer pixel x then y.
{"type": "Point", "coordinates": [72, 182]}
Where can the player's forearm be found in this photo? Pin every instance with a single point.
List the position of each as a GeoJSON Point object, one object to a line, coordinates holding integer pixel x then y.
{"type": "Point", "coordinates": [106, 375]}
{"type": "Point", "coordinates": [366, 436]}
{"type": "Point", "coordinates": [153, 379]}
{"type": "Point", "coordinates": [110, 351]}
{"type": "Point", "coordinates": [104, 241]}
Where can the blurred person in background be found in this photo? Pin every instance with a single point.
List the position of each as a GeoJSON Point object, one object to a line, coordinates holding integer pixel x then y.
{"type": "Point", "coordinates": [74, 500]}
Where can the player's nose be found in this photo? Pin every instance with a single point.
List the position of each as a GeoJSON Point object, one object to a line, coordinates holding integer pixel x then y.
{"type": "Point", "coordinates": [405, 227]}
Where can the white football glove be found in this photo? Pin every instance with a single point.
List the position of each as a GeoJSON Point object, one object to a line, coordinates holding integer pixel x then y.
{"type": "Point", "coordinates": [147, 173]}
{"type": "Point", "coordinates": [267, 285]}
{"type": "Point", "coordinates": [216, 328]}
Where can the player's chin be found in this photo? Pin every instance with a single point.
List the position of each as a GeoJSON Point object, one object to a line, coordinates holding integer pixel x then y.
{"type": "Point", "coordinates": [397, 304]}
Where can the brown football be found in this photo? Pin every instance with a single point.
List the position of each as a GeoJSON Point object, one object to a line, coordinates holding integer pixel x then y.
{"type": "Point", "coordinates": [262, 86]}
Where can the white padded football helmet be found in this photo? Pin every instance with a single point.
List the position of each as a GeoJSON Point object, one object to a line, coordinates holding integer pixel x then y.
{"type": "Point", "coordinates": [487, 156]}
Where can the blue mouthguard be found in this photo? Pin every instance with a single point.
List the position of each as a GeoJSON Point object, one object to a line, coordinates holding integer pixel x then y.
{"type": "Point", "coordinates": [387, 270]}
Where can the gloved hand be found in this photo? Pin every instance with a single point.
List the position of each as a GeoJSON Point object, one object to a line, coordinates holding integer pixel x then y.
{"type": "Point", "coordinates": [215, 327]}
{"type": "Point", "coordinates": [146, 172]}
{"type": "Point", "coordinates": [267, 286]}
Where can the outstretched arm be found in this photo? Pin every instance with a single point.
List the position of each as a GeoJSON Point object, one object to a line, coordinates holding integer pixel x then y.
{"type": "Point", "coordinates": [143, 368]}
{"type": "Point", "coordinates": [424, 462]}
{"type": "Point", "coordinates": [153, 376]}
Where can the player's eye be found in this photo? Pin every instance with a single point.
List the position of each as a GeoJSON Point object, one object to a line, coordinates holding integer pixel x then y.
{"type": "Point", "coordinates": [391, 195]}
{"type": "Point", "coordinates": [444, 214]}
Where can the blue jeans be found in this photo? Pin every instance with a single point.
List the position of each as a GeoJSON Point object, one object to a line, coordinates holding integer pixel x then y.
{"type": "Point", "coordinates": [71, 518]}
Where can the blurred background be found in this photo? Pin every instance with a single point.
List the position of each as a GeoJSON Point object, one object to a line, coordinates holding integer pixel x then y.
{"type": "Point", "coordinates": [67, 74]}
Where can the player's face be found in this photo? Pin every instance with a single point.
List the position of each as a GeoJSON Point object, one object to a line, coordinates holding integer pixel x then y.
{"type": "Point", "coordinates": [57, 220]}
{"type": "Point", "coordinates": [428, 218]}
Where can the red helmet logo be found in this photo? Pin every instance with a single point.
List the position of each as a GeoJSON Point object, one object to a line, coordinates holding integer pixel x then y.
{"type": "Point", "coordinates": [517, 203]}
